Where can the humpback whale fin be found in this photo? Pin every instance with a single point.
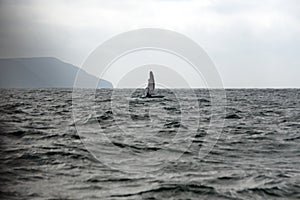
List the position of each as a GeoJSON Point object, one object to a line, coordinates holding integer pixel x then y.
{"type": "Point", "coordinates": [151, 83]}
{"type": "Point", "coordinates": [151, 86]}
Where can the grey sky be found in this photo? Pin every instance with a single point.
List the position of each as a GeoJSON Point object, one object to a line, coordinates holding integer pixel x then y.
{"type": "Point", "coordinates": [253, 43]}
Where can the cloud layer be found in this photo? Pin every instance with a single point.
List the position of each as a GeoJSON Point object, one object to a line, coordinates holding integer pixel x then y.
{"type": "Point", "coordinates": [253, 43]}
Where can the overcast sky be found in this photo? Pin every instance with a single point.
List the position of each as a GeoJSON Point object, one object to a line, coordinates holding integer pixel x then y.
{"type": "Point", "coordinates": [253, 43]}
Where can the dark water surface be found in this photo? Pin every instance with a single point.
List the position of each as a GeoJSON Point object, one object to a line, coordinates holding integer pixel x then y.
{"type": "Point", "coordinates": [43, 157]}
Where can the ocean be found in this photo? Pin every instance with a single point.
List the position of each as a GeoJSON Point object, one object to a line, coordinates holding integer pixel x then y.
{"type": "Point", "coordinates": [112, 144]}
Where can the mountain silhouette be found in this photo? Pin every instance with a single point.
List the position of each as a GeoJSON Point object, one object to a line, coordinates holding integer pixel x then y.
{"type": "Point", "coordinates": [45, 72]}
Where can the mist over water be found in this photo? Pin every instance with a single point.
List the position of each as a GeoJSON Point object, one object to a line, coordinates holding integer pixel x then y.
{"type": "Point", "coordinates": [43, 156]}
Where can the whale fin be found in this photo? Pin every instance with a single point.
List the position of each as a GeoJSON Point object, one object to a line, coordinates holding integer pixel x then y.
{"type": "Point", "coordinates": [151, 83]}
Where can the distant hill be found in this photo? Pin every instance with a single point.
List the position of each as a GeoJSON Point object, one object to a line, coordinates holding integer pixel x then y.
{"type": "Point", "coordinates": [44, 72]}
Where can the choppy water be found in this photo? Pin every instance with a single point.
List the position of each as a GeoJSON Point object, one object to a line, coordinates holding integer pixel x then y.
{"type": "Point", "coordinates": [43, 157]}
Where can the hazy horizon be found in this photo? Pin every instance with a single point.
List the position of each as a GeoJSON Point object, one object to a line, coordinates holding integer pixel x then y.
{"type": "Point", "coordinates": [144, 75]}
